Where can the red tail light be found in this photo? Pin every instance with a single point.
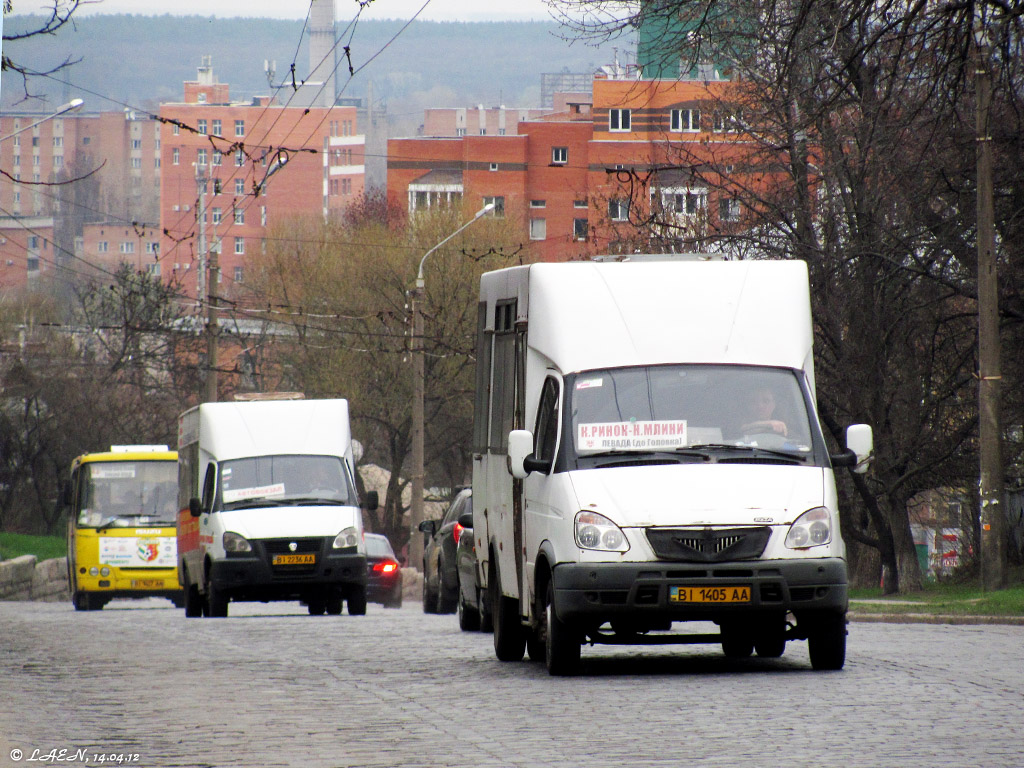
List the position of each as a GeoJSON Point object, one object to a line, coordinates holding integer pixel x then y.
{"type": "Point", "coordinates": [385, 567]}
{"type": "Point", "coordinates": [457, 532]}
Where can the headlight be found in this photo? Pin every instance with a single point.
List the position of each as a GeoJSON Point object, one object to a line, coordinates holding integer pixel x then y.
{"type": "Point", "coordinates": [813, 528]}
{"type": "Point", "coordinates": [104, 571]}
{"type": "Point", "coordinates": [94, 571]}
{"type": "Point", "coordinates": [234, 542]}
{"type": "Point", "coordinates": [347, 538]}
{"type": "Point", "coordinates": [594, 531]}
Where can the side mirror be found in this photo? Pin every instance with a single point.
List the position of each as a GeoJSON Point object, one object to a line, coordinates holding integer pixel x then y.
{"type": "Point", "coordinates": [372, 501]}
{"type": "Point", "coordinates": [195, 507]}
{"type": "Point", "coordinates": [466, 519]}
{"type": "Point", "coordinates": [860, 440]}
{"type": "Point", "coordinates": [521, 461]}
{"type": "Point", "coordinates": [428, 527]}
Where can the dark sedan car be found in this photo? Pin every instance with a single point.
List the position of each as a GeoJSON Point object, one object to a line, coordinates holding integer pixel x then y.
{"type": "Point", "coordinates": [383, 573]}
{"type": "Point", "coordinates": [440, 581]}
{"type": "Point", "coordinates": [472, 601]}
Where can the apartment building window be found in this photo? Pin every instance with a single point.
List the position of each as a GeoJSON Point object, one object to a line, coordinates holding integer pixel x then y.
{"type": "Point", "coordinates": [483, 131]}
{"type": "Point", "coordinates": [729, 209]}
{"type": "Point", "coordinates": [156, 162]}
{"type": "Point", "coordinates": [239, 216]}
{"type": "Point", "coordinates": [579, 229]}
{"type": "Point", "coordinates": [686, 202]}
{"type": "Point", "coordinates": [332, 188]}
{"type": "Point", "coordinates": [58, 161]}
{"type": "Point", "coordinates": [33, 242]}
{"type": "Point", "coordinates": [726, 121]}
{"type": "Point", "coordinates": [201, 157]}
{"type": "Point", "coordinates": [58, 141]}
{"type": "Point", "coordinates": [239, 158]}
{"type": "Point", "coordinates": [216, 128]}
{"type": "Point", "coordinates": [17, 139]}
{"type": "Point", "coordinates": [35, 141]}
{"type": "Point", "coordinates": [17, 159]}
{"type": "Point", "coordinates": [175, 129]}
{"type": "Point", "coordinates": [619, 119]}
{"type": "Point", "coordinates": [175, 156]}
{"type": "Point", "coordinates": [201, 127]}
{"type": "Point", "coordinates": [102, 246]}
{"type": "Point", "coordinates": [215, 215]}
{"type": "Point", "coordinates": [35, 159]}
{"type": "Point", "coordinates": [32, 263]}
{"type": "Point", "coordinates": [538, 229]}
{"type": "Point", "coordinates": [263, 215]}
{"type": "Point", "coordinates": [494, 166]}
{"type": "Point", "coordinates": [579, 203]}
{"type": "Point", "coordinates": [538, 203]}
{"type": "Point", "coordinates": [152, 248]}
{"type": "Point", "coordinates": [217, 157]}
{"type": "Point", "coordinates": [239, 127]}
{"type": "Point", "coordinates": [499, 206]}
{"type": "Point", "coordinates": [136, 143]}
{"type": "Point", "coordinates": [239, 246]}
{"type": "Point", "coordinates": [501, 131]}
{"type": "Point", "coordinates": [136, 162]}
{"type": "Point", "coordinates": [127, 247]}
{"type": "Point", "coordinates": [239, 186]}
{"type": "Point", "coordinates": [460, 131]}
{"type": "Point", "coordinates": [685, 120]}
{"type": "Point", "coordinates": [618, 210]}
{"type": "Point", "coordinates": [217, 188]}
{"type": "Point", "coordinates": [153, 270]}
{"type": "Point", "coordinates": [239, 273]}
{"type": "Point", "coordinates": [559, 155]}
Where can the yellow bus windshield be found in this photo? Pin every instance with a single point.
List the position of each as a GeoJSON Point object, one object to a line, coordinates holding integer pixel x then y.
{"type": "Point", "coordinates": [128, 493]}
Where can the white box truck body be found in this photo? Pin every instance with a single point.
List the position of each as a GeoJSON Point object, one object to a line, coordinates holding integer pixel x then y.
{"type": "Point", "coordinates": [647, 451]}
{"type": "Point", "coordinates": [268, 506]}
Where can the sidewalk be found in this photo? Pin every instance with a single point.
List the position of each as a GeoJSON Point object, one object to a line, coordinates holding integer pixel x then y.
{"type": "Point", "coordinates": [923, 618]}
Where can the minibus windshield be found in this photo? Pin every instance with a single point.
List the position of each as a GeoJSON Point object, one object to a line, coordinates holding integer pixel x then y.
{"type": "Point", "coordinates": [691, 409]}
{"type": "Point", "coordinates": [268, 481]}
{"type": "Point", "coordinates": [123, 494]}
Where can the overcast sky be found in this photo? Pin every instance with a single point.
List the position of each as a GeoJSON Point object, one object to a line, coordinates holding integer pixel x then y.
{"type": "Point", "coordinates": [436, 10]}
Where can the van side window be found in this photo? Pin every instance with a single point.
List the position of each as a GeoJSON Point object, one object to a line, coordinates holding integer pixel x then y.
{"type": "Point", "coordinates": [546, 433]}
{"type": "Point", "coordinates": [503, 377]}
{"type": "Point", "coordinates": [209, 486]}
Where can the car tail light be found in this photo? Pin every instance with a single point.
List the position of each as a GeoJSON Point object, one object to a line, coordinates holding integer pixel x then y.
{"type": "Point", "coordinates": [385, 567]}
{"type": "Point", "coordinates": [457, 532]}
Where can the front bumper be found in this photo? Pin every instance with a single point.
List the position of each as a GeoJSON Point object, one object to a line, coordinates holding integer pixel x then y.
{"type": "Point", "coordinates": [592, 593]}
{"type": "Point", "coordinates": [253, 577]}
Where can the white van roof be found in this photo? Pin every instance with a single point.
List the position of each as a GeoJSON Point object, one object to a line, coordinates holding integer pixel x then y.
{"type": "Point", "coordinates": [587, 315]}
{"type": "Point", "coordinates": [234, 430]}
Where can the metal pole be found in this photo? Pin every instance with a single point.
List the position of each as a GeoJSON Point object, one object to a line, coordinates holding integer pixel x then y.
{"type": "Point", "coordinates": [211, 331]}
{"type": "Point", "coordinates": [993, 517]}
{"type": "Point", "coordinates": [415, 550]}
{"type": "Point", "coordinates": [416, 475]}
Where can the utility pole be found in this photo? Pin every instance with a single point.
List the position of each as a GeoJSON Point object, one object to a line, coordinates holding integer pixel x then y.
{"type": "Point", "coordinates": [990, 487]}
{"type": "Point", "coordinates": [201, 214]}
{"type": "Point", "coordinates": [211, 330]}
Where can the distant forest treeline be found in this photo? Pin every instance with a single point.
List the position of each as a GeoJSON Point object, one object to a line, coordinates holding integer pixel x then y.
{"type": "Point", "coordinates": [141, 61]}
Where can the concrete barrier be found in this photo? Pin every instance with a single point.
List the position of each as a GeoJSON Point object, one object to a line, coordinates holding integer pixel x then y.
{"type": "Point", "coordinates": [25, 578]}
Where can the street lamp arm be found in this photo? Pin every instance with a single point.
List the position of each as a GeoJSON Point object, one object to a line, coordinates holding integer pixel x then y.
{"type": "Point", "coordinates": [71, 106]}
{"type": "Point", "coordinates": [419, 274]}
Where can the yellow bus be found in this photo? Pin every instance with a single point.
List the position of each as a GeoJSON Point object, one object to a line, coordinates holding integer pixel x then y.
{"type": "Point", "coordinates": [122, 542]}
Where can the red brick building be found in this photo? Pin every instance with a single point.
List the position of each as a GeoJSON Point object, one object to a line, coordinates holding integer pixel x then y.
{"type": "Point", "coordinates": [260, 164]}
{"type": "Point", "coordinates": [27, 253]}
{"type": "Point", "coordinates": [109, 245]}
{"type": "Point", "coordinates": [581, 180]}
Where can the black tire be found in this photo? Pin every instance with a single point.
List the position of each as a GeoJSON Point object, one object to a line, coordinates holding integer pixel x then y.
{"type": "Point", "coordinates": [509, 635]}
{"type": "Point", "coordinates": [83, 601]}
{"type": "Point", "coordinates": [356, 600]}
{"type": "Point", "coordinates": [447, 601]}
{"type": "Point", "coordinates": [535, 648]}
{"type": "Point", "coordinates": [193, 601]}
{"type": "Point", "coordinates": [316, 606]}
{"type": "Point", "coordinates": [216, 602]}
{"type": "Point", "coordinates": [736, 641]}
{"type": "Point", "coordinates": [770, 641]}
{"type": "Point", "coordinates": [429, 595]}
{"type": "Point", "coordinates": [562, 642]}
{"type": "Point", "coordinates": [826, 641]}
{"type": "Point", "coordinates": [486, 621]}
{"type": "Point", "coordinates": [178, 600]}
{"type": "Point", "coordinates": [395, 599]}
{"type": "Point", "coordinates": [469, 617]}
{"type": "Point", "coordinates": [333, 605]}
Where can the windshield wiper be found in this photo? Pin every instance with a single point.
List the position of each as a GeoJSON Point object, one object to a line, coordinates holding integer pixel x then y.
{"type": "Point", "coordinates": [747, 449]}
{"type": "Point", "coordinates": [647, 457]}
{"type": "Point", "coordinates": [306, 501]}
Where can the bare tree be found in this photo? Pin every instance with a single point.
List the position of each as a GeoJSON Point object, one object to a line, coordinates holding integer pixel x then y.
{"type": "Point", "coordinates": [858, 157]}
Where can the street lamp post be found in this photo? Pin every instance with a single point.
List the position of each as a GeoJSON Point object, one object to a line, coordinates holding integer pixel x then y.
{"type": "Point", "coordinates": [418, 386]}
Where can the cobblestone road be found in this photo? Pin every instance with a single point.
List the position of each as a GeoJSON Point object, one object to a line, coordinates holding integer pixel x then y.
{"type": "Point", "coordinates": [271, 686]}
